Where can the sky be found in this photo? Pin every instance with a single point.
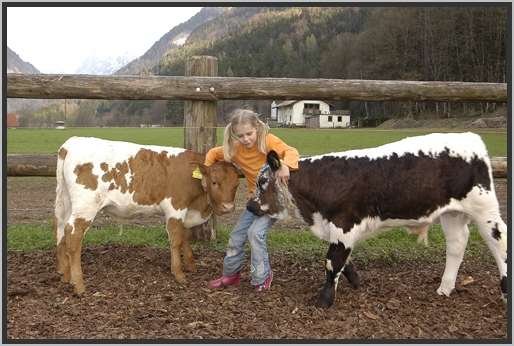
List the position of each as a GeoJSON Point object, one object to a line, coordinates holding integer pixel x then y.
{"type": "Point", "coordinates": [59, 39]}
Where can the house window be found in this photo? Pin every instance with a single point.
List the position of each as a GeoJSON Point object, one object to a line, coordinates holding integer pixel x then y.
{"type": "Point", "coordinates": [339, 119]}
{"type": "Point", "coordinates": [329, 118]}
{"type": "Point", "coordinates": [311, 106]}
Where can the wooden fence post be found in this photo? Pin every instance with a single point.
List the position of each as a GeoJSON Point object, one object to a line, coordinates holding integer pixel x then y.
{"type": "Point", "coordinates": [200, 127]}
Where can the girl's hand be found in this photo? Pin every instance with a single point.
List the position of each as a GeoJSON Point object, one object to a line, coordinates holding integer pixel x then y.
{"type": "Point", "coordinates": [283, 174]}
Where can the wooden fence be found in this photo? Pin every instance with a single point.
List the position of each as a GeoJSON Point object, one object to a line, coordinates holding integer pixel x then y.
{"type": "Point", "coordinates": [201, 88]}
{"type": "Point", "coordinates": [244, 88]}
{"type": "Point", "coordinates": [20, 165]}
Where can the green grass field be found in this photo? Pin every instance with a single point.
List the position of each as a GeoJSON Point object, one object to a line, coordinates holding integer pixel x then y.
{"type": "Point", "coordinates": [307, 141]}
{"type": "Point", "coordinates": [388, 246]}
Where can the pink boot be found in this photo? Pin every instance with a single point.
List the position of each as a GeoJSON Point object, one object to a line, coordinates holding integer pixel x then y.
{"type": "Point", "coordinates": [225, 281]}
{"type": "Point", "coordinates": [266, 285]}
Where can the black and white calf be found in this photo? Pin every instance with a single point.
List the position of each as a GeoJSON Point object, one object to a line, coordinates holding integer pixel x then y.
{"type": "Point", "coordinates": [349, 196]}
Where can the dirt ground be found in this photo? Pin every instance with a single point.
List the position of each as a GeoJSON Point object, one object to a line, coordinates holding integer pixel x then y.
{"type": "Point", "coordinates": [131, 294]}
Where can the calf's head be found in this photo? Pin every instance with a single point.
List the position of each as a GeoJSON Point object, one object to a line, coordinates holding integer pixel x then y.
{"type": "Point", "coordinates": [220, 182]}
{"type": "Point", "coordinates": [271, 196]}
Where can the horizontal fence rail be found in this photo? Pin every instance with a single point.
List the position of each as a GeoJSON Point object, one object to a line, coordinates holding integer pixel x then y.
{"type": "Point", "coordinates": [44, 165]}
{"type": "Point", "coordinates": [51, 86]}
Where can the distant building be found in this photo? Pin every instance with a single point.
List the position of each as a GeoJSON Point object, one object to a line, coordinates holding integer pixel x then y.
{"type": "Point", "coordinates": [12, 120]}
{"type": "Point", "coordinates": [59, 125]}
{"type": "Point", "coordinates": [308, 113]}
{"type": "Point", "coordinates": [339, 119]}
{"type": "Point", "coordinates": [273, 111]}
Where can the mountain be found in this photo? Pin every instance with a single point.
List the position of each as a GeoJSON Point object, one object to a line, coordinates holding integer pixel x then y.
{"type": "Point", "coordinates": [102, 66]}
{"type": "Point", "coordinates": [377, 43]}
{"type": "Point", "coordinates": [229, 21]}
{"type": "Point", "coordinates": [175, 38]}
{"type": "Point", "coordinates": [382, 43]}
{"type": "Point", "coordinates": [261, 41]}
{"type": "Point", "coordinates": [16, 65]}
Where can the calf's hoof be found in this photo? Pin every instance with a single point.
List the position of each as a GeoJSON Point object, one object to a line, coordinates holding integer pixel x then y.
{"type": "Point", "coordinates": [190, 267]}
{"type": "Point", "coordinates": [353, 279]}
{"type": "Point", "coordinates": [60, 268]}
{"type": "Point", "coordinates": [355, 283]}
{"type": "Point", "coordinates": [326, 298]}
{"type": "Point", "coordinates": [444, 291]}
{"type": "Point", "coordinates": [181, 278]}
{"type": "Point", "coordinates": [504, 289]}
{"type": "Point", "coordinates": [66, 277]}
{"type": "Point", "coordinates": [79, 289]}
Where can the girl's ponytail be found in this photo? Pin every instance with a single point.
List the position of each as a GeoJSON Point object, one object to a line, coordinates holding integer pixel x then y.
{"type": "Point", "coordinates": [228, 143]}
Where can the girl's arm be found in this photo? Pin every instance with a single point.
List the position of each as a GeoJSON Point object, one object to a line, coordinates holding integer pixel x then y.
{"type": "Point", "coordinates": [213, 155]}
{"type": "Point", "coordinates": [289, 156]}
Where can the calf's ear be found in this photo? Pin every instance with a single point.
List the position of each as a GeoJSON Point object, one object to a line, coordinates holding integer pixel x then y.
{"type": "Point", "coordinates": [203, 168]}
{"type": "Point", "coordinates": [199, 169]}
{"type": "Point", "coordinates": [273, 160]}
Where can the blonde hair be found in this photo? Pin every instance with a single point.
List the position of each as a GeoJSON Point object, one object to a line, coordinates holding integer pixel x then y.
{"type": "Point", "coordinates": [238, 117]}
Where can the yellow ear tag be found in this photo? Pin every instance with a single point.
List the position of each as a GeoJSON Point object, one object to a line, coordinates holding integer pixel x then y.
{"type": "Point", "coordinates": [197, 174]}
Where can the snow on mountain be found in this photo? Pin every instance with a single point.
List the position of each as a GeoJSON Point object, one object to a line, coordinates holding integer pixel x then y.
{"type": "Point", "coordinates": [102, 65]}
{"type": "Point", "coordinates": [180, 40]}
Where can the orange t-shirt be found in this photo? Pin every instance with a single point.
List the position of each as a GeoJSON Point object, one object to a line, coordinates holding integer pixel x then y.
{"type": "Point", "coordinates": [251, 160]}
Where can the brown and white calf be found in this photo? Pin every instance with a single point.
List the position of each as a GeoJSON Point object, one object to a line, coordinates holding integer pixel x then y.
{"type": "Point", "coordinates": [126, 180]}
{"type": "Point", "coordinates": [349, 196]}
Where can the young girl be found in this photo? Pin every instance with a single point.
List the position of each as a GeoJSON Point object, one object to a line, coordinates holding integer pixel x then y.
{"type": "Point", "coordinates": [246, 142]}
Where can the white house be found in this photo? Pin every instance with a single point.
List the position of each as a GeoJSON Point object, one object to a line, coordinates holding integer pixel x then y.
{"type": "Point", "coordinates": [292, 113]}
{"type": "Point", "coordinates": [296, 112]}
{"type": "Point", "coordinates": [334, 120]}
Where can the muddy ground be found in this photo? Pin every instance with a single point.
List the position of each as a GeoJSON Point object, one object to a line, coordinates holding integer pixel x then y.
{"type": "Point", "coordinates": [131, 294]}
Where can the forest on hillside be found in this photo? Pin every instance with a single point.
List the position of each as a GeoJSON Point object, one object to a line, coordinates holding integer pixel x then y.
{"type": "Point", "coordinates": [443, 43]}
{"type": "Point", "coordinates": [407, 43]}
